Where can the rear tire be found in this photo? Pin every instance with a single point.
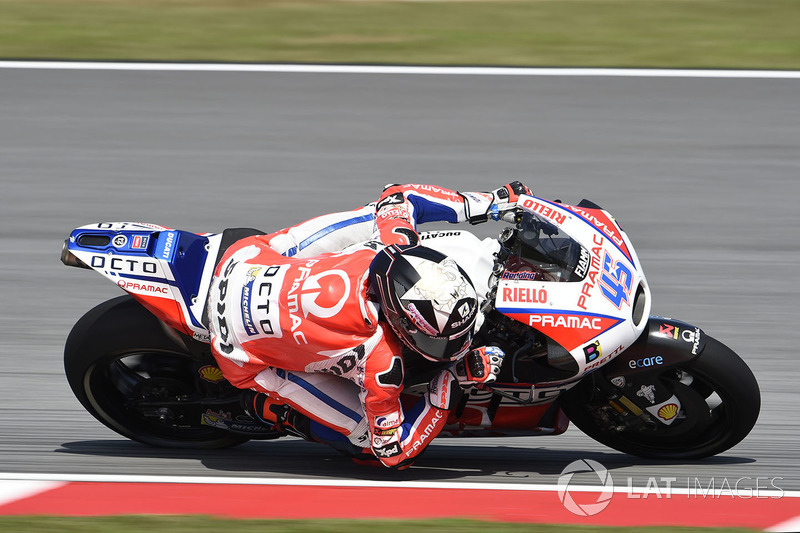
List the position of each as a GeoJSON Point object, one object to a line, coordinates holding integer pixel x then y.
{"type": "Point", "coordinates": [720, 405]}
{"type": "Point", "coordinates": [131, 376]}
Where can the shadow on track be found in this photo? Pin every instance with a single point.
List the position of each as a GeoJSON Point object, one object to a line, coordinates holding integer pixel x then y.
{"type": "Point", "coordinates": [294, 457]}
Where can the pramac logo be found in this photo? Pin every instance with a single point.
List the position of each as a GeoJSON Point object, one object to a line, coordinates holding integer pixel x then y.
{"type": "Point", "coordinates": [324, 295]}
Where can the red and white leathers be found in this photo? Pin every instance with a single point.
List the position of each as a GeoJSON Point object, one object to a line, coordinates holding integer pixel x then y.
{"type": "Point", "coordinates": [290, 316]}
{"type": "Point", "coordinates": [402, 207]}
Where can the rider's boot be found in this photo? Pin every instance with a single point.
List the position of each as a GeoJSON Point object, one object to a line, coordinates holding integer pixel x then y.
{"type": "Point", "coordinates": [367, 458]}
{"type": "Point", "coordinates": [274, 413]}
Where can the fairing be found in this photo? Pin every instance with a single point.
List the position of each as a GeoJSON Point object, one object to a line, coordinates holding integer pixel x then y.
{"type": "Point", "coordinates": [166, 270]}
{"type": "Point", "coordinates": [574, 276]}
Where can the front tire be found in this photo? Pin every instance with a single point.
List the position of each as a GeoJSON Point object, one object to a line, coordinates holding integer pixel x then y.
{"type": "Point", "coordinates": [131, 376]}
{"type": "Point", "coordinates": [720, 405]}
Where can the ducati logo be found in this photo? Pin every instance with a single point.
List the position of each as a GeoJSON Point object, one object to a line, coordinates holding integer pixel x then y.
{"type": "Point", "coordinates": [324, 295]}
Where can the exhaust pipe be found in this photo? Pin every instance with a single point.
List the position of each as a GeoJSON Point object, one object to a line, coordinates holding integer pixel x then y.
{"type": "Point", "coordinates": [69, 259]}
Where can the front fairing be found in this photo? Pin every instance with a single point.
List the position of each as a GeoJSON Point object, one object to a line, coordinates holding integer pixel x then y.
{"type": "Point", "coordinates": [573, 275]}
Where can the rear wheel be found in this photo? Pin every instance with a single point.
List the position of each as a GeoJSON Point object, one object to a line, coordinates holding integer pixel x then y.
{"type": "Point", "coordinates": [131, 376]}
{"type": "Point", "coordinates": [719, 397]}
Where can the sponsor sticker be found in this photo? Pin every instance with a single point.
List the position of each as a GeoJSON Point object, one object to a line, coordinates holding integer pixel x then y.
{"type": "Point", "coordinates": [124, 264]}
{"type": "Point", "coordinates": [388, 451]}
{"type": "Point", "coordinates": [666, 411]}
{"type": "Point", "coordinates": [521, 276]}
{"type": "Point", "coordinates": [592, 351]}
{"type": "Point", "coordinates": [388, 421]}
{"type": "Point", "coordinates": [603, 223]}
{"type": "Point", "coordinates": [551, 213]}
{"type": "Point", "coordinates": [202, 337]}
{"type": "Point", "coordinates": [211, 373]}
{"type": "Point", "coordinates": [144, 287]}
{"type": "Point", "coordinates": [583, 264]}
{"type": "Point", "coordinates": [648, 392]}
{"type": "Point", "coordinates": [220, 419]}
{"type": "Point", "coordinates": [166, 245]}
{"type": "Point", "coordinates": [646, 362]}
{"type": "Point", "coordinates": [524, 295]}
{"type": "Point", "coordinates": [247, 294]}
{"type": "Point", "coordinates": [139, 242]}
{"type": "Point", "coordinates": [686, 335]}
{"type": "Point", "coordinates": [590, 281]}
{"type": "Point", "coordinates": [438, 234]}
{"type": "Point", "coordinates": [568, 328]}
{"type": "Point", "coordinates": [119, 241]}
{"type": "Point", "coordinates": [618, 381]}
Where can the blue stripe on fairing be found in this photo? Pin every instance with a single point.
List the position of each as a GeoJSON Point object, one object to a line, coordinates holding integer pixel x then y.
{"type": "Point", "coordinates": [429, 211]}
{"type": "Point", "coordinates": [325, 231]}
{"type": "Point", "coordinates": [534, 311]}
{"type": "Point", "coordinates": [294, 378]}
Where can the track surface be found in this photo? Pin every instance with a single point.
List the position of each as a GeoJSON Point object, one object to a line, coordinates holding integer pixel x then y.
{"type": "Point", "coordinates": [702, 173]}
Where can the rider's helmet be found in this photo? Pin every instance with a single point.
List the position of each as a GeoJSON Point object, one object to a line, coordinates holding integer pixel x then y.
{"type": "Point", "coordinates": [428, 300]}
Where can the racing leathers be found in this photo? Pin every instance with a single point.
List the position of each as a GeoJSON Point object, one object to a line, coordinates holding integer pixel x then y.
{"type": "Point", "coordinates": [290, 317]}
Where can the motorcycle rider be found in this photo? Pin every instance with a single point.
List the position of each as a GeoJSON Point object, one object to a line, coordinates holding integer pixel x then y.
{"type": "Point", "coordinates": [300, 316]}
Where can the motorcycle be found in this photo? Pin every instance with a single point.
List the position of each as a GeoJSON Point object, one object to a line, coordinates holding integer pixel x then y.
{"type": "Point", "coordinates": [564, 295]}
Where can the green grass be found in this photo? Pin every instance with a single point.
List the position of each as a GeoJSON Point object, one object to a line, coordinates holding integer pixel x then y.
{"type": "Point", "coordinates": [178, 524]}
{"type": "Point", "coordinates": [622, 33]}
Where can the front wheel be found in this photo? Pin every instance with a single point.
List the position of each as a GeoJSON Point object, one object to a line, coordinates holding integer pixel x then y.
{"type": "Point", "coordinates": [131, 376]}
{"type": "Point", "coordinates": [720, 402]}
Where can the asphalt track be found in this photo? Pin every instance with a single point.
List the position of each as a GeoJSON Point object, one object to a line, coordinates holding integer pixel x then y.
{"type": "Point", "coordinates": [702, 173]}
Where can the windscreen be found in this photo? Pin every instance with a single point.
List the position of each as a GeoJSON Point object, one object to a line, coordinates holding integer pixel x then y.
{"type": "Point", "coordinates": [542, 252]}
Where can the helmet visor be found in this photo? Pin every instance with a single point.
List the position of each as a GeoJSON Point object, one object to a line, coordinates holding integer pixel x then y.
{"type": "Point", "coordinates": [435, 348]}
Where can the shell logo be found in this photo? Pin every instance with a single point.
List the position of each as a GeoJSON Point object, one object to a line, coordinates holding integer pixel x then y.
{"type": "Point", "coordinates": [211, 373]}
{"type": "Point", "coordinates": [668, 412]}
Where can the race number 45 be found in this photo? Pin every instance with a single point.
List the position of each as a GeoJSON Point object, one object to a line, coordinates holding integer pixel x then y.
{"type": "Point", "coordinates": [616, 281]}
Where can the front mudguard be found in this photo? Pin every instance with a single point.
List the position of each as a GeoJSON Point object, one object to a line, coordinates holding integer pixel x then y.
{"type": "Point", "coordinates": [664, 343]}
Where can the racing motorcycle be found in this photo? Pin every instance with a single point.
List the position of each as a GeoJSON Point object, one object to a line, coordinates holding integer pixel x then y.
{"type": "Point", "coordinates": [564, 295]}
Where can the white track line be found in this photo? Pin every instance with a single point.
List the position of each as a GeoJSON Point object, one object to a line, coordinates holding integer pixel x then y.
{"type": "Point", "coordinates": [108, 478]}
{"type": "Point", "coordinates": [791, 525]}
{"type": "Point", "coordinates": [377, 69]}
{"type": "Point", "coordinates": [13, 490]}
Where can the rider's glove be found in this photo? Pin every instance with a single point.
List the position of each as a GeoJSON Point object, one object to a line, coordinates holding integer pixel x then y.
{"type": "Point", "coordinates": [500, 204]}
{"type": "Point", "coordinates": [504, 204]}
{"type": "Point", "coordinates": [481, 365]}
